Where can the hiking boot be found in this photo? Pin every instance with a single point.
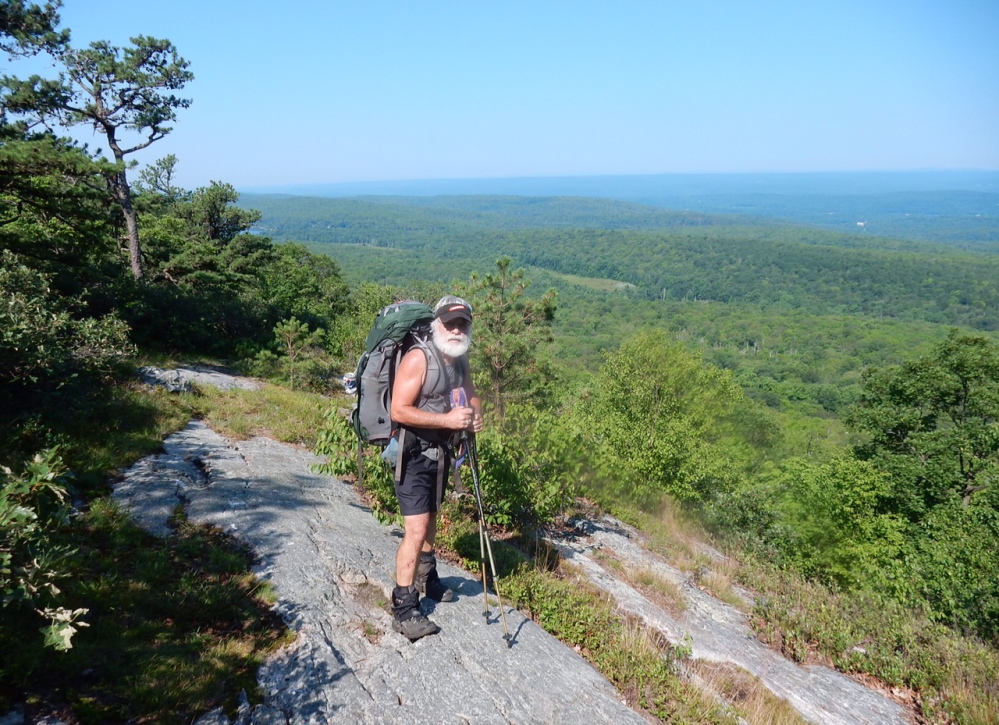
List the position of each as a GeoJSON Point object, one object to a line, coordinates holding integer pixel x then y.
{"type": "Point", "coordinates": [427, 580]}
{"type": "Point", "coordinates": [410, 622]}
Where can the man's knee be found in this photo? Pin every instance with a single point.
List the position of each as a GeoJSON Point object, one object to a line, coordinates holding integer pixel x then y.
{"type": "Point", "coordinates": [416, 526]}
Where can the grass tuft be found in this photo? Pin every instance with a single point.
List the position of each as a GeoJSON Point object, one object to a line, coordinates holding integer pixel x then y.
{"type": "Point", "coordinates": [285, 415]}
{"type": "Point", "coordinates": [747, 695]}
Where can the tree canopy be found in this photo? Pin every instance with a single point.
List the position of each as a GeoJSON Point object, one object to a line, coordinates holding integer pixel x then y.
{"type": "Point", "coordinates": [120, 93]}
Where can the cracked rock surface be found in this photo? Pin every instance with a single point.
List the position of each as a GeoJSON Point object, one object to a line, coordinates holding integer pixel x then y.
{"type": "Point", "coordinates": [180, 379]}
{"type": "Point", "coordinates": [332, 565]}
{"type": "Point", "coordinates": [718, 632]}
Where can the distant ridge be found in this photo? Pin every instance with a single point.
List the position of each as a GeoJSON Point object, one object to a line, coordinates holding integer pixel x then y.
{"type": "Point", "coordinates": [649, 188]}
{"type": "Point", "coordinates": [953, 207]}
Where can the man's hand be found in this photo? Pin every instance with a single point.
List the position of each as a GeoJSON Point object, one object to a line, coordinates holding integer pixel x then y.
{"type": "Point", "coordinates": [460, 419]}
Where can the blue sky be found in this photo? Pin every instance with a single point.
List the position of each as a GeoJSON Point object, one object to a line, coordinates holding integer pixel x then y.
{"type": "Point", "coordinates": [305, 91]}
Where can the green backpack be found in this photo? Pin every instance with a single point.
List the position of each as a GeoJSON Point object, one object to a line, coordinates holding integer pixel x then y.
{"type": "Point", "coordinates": [397, 327]}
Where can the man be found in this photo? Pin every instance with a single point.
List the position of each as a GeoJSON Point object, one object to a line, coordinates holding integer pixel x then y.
{"type": "Point", "coordinates": [433, 400]}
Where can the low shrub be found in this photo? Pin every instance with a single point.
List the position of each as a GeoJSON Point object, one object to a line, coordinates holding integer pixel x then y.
{"type": "Point", "coordinates": [33, 511]}
{"type": "Point", "coordinates": [954, 678]}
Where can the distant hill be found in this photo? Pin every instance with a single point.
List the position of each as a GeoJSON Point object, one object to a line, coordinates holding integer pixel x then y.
{"type": "Point", "coordinates": [965, 219]}
{"type": "Point", "coordinates": [955, 207]}
{"type": "Point", "coordinates": [323, 219]}
{"type": "Point", "coordinates": [658, 186]}
{"type": "Point", "coordinates": [662, 254]}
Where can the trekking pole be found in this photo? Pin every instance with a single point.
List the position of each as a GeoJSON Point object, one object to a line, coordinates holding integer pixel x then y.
{"type": "Point", "coordinates": [482, 531]}
{"type": "Point", "coordinates": [482, 564]}
{"type": "Point", "coordinates": [473, 458]}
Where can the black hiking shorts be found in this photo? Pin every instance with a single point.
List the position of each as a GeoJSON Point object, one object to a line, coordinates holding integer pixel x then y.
{"type": "Point", "coordinates": [417, 492]}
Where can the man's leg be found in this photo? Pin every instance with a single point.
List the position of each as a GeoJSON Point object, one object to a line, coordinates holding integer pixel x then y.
{"type": "Point", "coordinates": [427, 580]}
{"type": "Point", "coordinates": [409, 620]}
{"type": "Point", "coordinates": [431, 535]}
{"type": "Point", "coordinates": [414, 540]}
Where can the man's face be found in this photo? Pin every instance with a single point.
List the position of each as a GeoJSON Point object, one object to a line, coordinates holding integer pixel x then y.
{"type": "Point", "coordinates": [452, 338]}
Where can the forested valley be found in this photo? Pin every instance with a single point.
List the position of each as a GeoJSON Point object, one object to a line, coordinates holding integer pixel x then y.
{"type": "Point", "coordinates": [825, 404]}
{"type": "Point", "coordinates": [821, 400]}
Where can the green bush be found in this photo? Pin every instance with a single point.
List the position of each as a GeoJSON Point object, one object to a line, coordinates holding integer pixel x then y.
{"type": "Point", "coordinates": [841, 532]}
{"type": "Point", "coordinates": [955, 563]}
{"type": "Point", "coordinates": [296, 359]}
{"type": "Point", "coordinates": [659, 420]}
{"type": "Point", "coordinates": [336, 441]}
{"type": "Point", "coordinates": [33, 508]}
{"type": "Point", "coordinates": [41, 340]}
{"type": "Point", "coordinates": [530, 467]}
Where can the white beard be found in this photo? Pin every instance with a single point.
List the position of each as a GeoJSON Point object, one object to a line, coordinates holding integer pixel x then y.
{"type": "Point", "coordinates": [449, 342]}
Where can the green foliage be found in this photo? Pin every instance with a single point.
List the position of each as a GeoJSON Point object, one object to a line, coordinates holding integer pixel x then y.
{"type": "Point", "coordinates": [509, 329]}
{"type": "Point", "coordinates": [298, 345]}
{"type": "Point", "coordinates": [178, 626]}
{"type": "Point", "coordinates": [661, 421]}
{"type": "Point", "coordinates": [202, 243]}
{"type": "Point", "coordinates": [28, 28]}
{"type": "Point", "coordinates": [53, 206]}
{"type": "Point", "coordinates": [219, 288]}
{"type": "Point", "coordinates": [644, 669]}
{"type": "Point", "coordinates": [378, 485]}
{"type": "Point", "coordinates": [841, 534]}
{"type": "Point", "coordinates": [956, 679]}
{"type": "Point", "coordinates": [337, 442]}
{"type": "Point", "coordinates": [211, 211]}
{"type": "Point", "coordinates": [934, 423]}
{"type": "Point", "coordinates": [912, 513]}
{"type": "Point", "coordinates": [40, 340]}
{"type": "Point", "coordinates": [955, 558]}
{"type": "Point", "coordinates": [571, 611]}
{"type": "Point", "coordinates": [156, 183]}
{"type": "Point", "coordinates": [304, 285]}
{"type": "Point", "coordinates": [347, 335]}
{"type": "Point", "coordinates": [530, 466]}
{"type": "Point", "coordinates": [33, 509]}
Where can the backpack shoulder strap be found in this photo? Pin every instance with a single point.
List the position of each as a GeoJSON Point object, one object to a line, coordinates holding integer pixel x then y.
{"type": "Point", "coordinates": [431, 352]}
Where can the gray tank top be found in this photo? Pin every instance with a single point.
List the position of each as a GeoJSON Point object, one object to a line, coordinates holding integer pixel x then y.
{"type": "Point", "coordinates": [435, 396]}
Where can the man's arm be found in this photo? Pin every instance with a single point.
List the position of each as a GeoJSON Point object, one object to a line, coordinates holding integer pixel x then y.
{"type": "Point", "coordinates": [406, 394]}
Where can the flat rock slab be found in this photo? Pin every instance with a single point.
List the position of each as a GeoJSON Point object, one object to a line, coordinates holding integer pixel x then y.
{"type": "Point", "coordinates": [179, 379]}
{"type": "Point", "coordinates": [332, 565]}
{"type": "Point", "coordinates": [718, 632]}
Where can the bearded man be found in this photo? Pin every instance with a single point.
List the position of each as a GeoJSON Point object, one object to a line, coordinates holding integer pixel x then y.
{"type": "Point", "coordinates": [433, 401]}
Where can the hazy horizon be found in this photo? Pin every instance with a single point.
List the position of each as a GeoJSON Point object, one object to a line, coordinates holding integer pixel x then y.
{"type": "Point", "coordinates": [687, 184]}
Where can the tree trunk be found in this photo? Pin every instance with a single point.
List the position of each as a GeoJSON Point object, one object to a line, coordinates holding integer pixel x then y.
{"type": "Point", "coordinates": [123, 195]}
{"type": "Point", "coordinates": [134, 251]}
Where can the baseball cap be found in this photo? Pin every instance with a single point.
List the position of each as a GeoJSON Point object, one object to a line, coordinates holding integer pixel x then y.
{"type": "Point", "coordinates": [451, 308]}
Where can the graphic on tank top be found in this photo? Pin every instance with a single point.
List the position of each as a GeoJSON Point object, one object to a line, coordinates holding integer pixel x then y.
{"type": "Point", "coordinates": [459, 399]}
